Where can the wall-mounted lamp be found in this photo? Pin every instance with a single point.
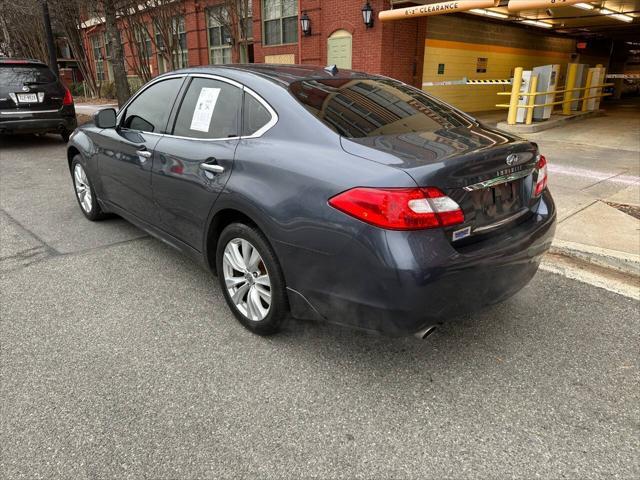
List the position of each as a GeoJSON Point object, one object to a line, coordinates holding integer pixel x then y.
{"type": "Point", "coordinates": [367, 15]}
{"type": "Point", "coordinates": [305, 24]}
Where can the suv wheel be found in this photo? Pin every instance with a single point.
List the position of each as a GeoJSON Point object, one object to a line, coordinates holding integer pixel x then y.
{"type": "Point", "coordinates": [251, 279]}
{"type": "Point", "coordinates": [85, 194]}
{"type": "Point", "coordinates": [65, 134]}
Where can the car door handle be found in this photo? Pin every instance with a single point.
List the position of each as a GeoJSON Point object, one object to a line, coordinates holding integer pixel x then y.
{"type": "Point", "coordinates": [212, 167]}
{"type": "Point", "coordinates": [144, 153]}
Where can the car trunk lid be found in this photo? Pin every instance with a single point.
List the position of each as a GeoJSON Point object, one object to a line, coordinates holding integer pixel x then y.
{"type": "Point", "coordinates": [490, 174]}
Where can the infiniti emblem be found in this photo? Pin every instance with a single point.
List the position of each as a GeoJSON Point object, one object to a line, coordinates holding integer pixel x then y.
{"type": "Point", "coordinates": [25, 89]}
{"type": "Point", "coordinates": [513, 159]}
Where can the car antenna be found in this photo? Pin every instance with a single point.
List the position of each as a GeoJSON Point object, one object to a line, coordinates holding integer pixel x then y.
{"type": "Point", "coordinates": [332, 69]}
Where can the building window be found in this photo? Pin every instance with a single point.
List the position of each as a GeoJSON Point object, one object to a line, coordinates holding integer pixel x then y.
{"type": "Point", "coordinates": [248, 21]}
{"type": "Point", "coordinates": [181, 55]}
{"type": "Point", "coordinates": [246, 32]}
{"type": "Point", "coordinates": [144, 43]}
{"type": "Point", "coordinates": [107, 46]}
{"type": "Point", "coordinates": [160, 48]}
{"type": "Point", "coordinates": [108, 54]}
{"type": "Point", "coordinates": [96, 46]}
{"type": "Point", "coordinates": [280, 19]}
{"type": "Point", "coordinates": [217, 25]}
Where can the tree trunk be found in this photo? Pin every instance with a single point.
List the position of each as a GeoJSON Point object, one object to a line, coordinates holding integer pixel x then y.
{"type": "Point", "coordinates": [117, 54]}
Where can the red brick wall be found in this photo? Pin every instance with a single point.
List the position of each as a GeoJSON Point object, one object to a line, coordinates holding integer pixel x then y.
{"type": "Point", "coordinates": [394, 49]}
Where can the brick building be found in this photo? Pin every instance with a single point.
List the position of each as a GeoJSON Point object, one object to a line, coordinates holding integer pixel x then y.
{"type": "Point", "coordinates": [419, 50]}
{"type": "Point", "coordinates": [338, 35]}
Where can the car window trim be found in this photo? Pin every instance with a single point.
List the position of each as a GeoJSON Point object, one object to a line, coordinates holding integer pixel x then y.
{"type": "Point", "coordinates": [123, 110]}
{"type": "Point", "coordinates": [274, 116]}
{"type": "Point", "coordinates": [173, 115]}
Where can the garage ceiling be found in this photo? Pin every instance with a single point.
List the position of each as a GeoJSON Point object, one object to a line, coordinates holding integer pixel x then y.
{"type": "Point", "coordinates": [572, 20]}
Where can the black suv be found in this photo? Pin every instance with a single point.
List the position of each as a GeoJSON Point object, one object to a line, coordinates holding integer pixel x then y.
{"type": "Point", "coordinates": [33, 100]}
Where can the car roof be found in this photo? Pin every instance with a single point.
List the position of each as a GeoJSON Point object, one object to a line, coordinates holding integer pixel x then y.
{"type": "Point", "coordinates": [285, 75]}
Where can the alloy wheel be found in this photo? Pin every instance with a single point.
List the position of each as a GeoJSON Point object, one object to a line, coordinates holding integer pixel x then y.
{"type": "Point", "coordinates": [246, 279]}
{"type": "Point", "coordinates": [83, 190]}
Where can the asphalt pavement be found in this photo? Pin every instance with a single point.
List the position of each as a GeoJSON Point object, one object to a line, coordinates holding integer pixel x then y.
{"type": "Point", "coordinates": [120, 359]}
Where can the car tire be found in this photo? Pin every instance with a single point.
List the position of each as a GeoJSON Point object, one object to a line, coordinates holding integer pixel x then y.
{"type": "Point", "coordinates": [251, 283]}
{"type": "Point", "coordinates": [65, 134]}
{"type": "Point", "coordinates": [85, 193]}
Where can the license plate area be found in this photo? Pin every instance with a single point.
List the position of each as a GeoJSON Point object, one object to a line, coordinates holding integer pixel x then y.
{"type": "Point", "coordinates": [497, 202]}
{"type": "Point", "coordinates": [27, 98]}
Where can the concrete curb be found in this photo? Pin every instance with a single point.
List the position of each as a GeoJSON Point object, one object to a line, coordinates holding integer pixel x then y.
{"type": "Point", "coordinates": [555, 121]}
{"type": "Point", "coordinates": [628, 263]}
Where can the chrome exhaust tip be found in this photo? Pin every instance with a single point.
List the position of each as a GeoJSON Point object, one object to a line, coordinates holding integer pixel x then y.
{"type": "Point", "coordinates": [425, 332]}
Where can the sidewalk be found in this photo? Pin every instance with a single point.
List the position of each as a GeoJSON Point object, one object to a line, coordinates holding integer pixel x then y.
{"type": "Point", "coordinates": [594, 176]}
{"type": "Point", "coordinates": [90, 109]}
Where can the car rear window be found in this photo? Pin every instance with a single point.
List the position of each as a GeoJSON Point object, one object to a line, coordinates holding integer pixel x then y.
{"type": "Point", "coordinates": [18, 75]}
{"type": "Point", "coordinates": [369, 107]}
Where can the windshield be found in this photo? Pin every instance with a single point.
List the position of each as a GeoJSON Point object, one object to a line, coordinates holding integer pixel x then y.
{"type": "Point", "coordinates": [19, 75]}
{"type": "Point", "coordinates": [366, 107]}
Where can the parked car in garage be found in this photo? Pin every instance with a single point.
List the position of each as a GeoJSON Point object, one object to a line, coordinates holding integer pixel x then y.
{"type": "Point", "coordinates": [331, 195]}
{"type": "Point", "coordinates": [33, 100]}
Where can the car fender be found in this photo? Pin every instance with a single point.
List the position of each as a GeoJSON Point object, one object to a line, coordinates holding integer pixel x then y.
{"type": "Point", "coordinates": [81, 141]}
{"type": "Point", "coordinates": [230, 201]}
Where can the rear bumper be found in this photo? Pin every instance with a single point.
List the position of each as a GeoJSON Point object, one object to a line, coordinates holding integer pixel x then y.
{"type": "Point", "coordinates": [399, 283]}
{"type": "Point", "coordinates": [38, 122]}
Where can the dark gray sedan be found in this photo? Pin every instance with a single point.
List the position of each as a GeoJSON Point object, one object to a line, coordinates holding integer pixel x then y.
{"type": "Point", "coordinates": [330, 195]}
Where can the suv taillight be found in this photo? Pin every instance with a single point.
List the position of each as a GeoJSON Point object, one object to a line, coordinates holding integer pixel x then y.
{"type": "Point", "coordinates": [541, 176]}
{"type": "Point", "coordinates": [399, 208]}
{"type": "Point", "coordinates": [68, 99]}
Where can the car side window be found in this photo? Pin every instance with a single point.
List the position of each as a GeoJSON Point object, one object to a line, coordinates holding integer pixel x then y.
{"type": "Point", "coordinates": [210, 109]}
{"type": "Point", "coordinates": [150, 110]}
{"type": "Point", "coordinates": [254, 115]}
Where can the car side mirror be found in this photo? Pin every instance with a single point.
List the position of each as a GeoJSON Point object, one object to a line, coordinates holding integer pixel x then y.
{"type": "Point", "coordinates": [105, 118]}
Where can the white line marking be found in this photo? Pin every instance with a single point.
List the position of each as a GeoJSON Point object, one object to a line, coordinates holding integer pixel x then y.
{"type": "Point", "coordinates": [564, 267]}
{"type": "Point", "coordinates": [594, 174]}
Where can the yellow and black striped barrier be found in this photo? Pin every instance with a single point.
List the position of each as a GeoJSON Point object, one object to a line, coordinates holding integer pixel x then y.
{"type": "Point", "coordinates": [489, 82]}
{"type": "Point", "coordinates": [466, 81]}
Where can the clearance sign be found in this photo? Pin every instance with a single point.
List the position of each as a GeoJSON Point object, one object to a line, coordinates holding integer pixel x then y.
{"type": "Point", "coordinates": [435, 9]}
{"type": "Point", "coordinates": [440, 8]}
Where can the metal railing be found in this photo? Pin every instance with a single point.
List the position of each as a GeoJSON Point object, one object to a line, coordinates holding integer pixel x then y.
{"type": "Point", "coordinates": [515, 94]}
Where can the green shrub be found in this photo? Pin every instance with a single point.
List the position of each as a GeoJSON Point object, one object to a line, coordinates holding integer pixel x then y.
{"type": "Point", "coordinates": [134, 84]}
{"type": "Point", "coordinates": [109, 90]}
{"type": "Point", "coordinates": [77, 89]}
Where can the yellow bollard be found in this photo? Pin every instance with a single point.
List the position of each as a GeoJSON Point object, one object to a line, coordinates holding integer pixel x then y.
{"type": "Point", "coordinates": [585, 102]}
{"type": "Point", "coordinates": [533, 88]}
{"type": "Point", "coordinates": [572, 70]}
{"type": "Point", "coordinates": [515, 96]}
{"type": "Point", "coordinates": [603, 79]}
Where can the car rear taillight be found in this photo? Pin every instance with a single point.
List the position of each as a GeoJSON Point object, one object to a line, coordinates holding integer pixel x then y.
{"type": "Point", "coordinates": [399, 208]}
{"type": "Point", "coordinates": [541, 176]}
{"type": "Point", "coordinates": [68, 99]}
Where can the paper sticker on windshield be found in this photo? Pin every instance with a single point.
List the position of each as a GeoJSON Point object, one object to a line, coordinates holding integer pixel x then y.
{"type": "Point", "coordinates": [462, 233]}
{"type": "Point", "coordinates": [204, 109]}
